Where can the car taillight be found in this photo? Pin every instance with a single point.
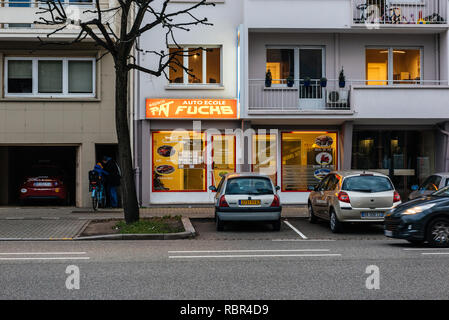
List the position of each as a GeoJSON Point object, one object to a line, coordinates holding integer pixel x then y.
{"type": "Point", "coordinates": [276, 202]}
{"type": "Point", "coordinates": [223, 202]}
{"type": "Point", "coordinates": [343, 197]}
{"type": "Point", "coordinates": [396, 197]}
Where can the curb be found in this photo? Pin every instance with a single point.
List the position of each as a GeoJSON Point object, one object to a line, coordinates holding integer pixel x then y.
{"type": "Point", "coordinates": [188, 233]}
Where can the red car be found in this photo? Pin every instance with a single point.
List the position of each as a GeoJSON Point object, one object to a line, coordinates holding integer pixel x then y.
{"type": "Point", "coordinates": [44, 183]}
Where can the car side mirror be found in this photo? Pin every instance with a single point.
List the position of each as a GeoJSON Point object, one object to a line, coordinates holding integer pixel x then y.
{"type": "Point", "coordinates": [311, 188]}
{"type": "Point", "coordinates": [277, 188]}
{"type": "Point", "coordinates": [212, 188]}
{"type": "Point", "coordinates": [415, 187]}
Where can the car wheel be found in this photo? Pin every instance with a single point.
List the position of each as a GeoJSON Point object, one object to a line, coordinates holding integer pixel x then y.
{"type": "Point", "coordinates": [277, 225]}
{"type": "Point", "coordinates": [438, 232]}
{"type": "Point", "coordinates": [312, 217]}
{"type": "Point", "coordinates": [335, 225]}
{"type": "Point", "coordinates": [219, 224]}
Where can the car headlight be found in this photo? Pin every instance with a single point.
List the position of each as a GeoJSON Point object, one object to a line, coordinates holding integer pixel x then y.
{"type": "Point", "coordinates": [418, 209]}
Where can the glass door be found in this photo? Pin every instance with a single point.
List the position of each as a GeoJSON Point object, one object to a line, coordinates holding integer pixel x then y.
{"type": "Point", "coordinates": [310, 72]}
{"type": "Point", "coordinates": [223, 157]}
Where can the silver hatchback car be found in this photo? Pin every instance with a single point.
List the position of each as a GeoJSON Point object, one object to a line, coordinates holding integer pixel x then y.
{"type": "Point", "coordinates": [352, 196]}
{"type": "Point", "coordinates": [247, 197]}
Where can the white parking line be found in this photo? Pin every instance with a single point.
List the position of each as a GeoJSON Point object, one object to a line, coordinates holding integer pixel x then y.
{"type": "Point", "coordinates": [434, 253]}
{"type": "Point", "coordinates": [262, 250]}
{"type": "Point", "coordinates": [39, 253]}
{"type": "Point", "coordinates": [46, 258]}
{"type": "Point", "coordinates": [296, 230]}
{"type": "Point", "coordinates": [424, 249]}
{"type": "Point", "coordinates": [258, 256]}
{"type": "Point", "coordinates": [302, 240]}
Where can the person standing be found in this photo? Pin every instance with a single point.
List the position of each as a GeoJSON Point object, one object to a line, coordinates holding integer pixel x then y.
{"type": "Point", "coordinates": [112, 181]}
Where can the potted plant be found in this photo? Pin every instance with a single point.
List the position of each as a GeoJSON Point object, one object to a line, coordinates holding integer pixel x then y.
{"type": "Point", "coordinates": [290, 81]}
{"type": "Point", "coordinates": [342, 79]}
{"type": "Point", "coordinates": [323, 82]}
{"type": "Point", "coordinates": [307, 82]}
{"type": "Point", "coordinates": [268, 78]}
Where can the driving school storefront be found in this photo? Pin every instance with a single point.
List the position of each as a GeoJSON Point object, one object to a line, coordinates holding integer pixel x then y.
{"type": "Point", "coordinates": [189, 145]}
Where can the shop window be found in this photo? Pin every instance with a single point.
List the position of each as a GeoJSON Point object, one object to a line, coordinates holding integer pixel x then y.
{"type": "Point", "coordinates": [204, 66]}
{"type": "Point", "coordinates": [280, 62]}
{"type": "Point", "coordinates": [178, 161]}
{"type": "Point", "coordinates": [393, 65]}
{"type": "Point", "coordinates": [48, 77]}
{"type": "Point", "coordinates": [307, 157]}
{"type": "Point", "coordinates": [265, 155]}
{"type": "Point", "coordinates": [223, 157]}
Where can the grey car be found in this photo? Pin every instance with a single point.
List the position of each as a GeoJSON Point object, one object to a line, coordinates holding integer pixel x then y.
{"type": "Point", "coordinates": [247, 197]}
{"type": "Point", "coordinates": [352, 196]}
{"type": "Point", "coordinates": [433, 183]}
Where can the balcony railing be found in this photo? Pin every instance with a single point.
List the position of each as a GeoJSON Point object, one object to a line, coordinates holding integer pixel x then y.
{"type": "Point", "coordinates": [389, 12]}
{"type": "Point", "coordinates": [315, 96]}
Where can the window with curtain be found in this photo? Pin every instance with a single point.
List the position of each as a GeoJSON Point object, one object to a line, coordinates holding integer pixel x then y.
{"type": "Point", "coordinates": [20, 76]}
{"type": "Point", "coordinates": [50, 76]}
{"type": "Point", "coordinates": [80, 76]}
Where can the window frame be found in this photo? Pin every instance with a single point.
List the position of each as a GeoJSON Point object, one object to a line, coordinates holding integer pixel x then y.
{"type": "Point", "coordinates": [65, 78]}
{"type": "Point", "coordinates": [390, 81]}
{"type": "Point", "coordinates": [185, 62]}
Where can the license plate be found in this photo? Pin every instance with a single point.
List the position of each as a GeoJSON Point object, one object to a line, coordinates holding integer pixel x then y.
{"type": "Point", "coordinates": [388, 233]}
{"type": "Point", "coordinates": [249, 202]}
{"type": "Point", "coordinates": [372, 214]}
{"type": "Point", "coordinates": [42, 184]}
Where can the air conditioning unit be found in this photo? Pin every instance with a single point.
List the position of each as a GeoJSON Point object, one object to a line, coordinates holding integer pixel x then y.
{"type": "Point", "coordinates": [337, 98]}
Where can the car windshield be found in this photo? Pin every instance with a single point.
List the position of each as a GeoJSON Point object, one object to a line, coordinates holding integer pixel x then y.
{"type": "Point", "coordinates": [45, 171]}
{"type": "Point", "coordinates": [246, 185]}
{"type": "Point", "coordinates": [367, 184]}
{"type": "Point", "coordinates": [443, 192]}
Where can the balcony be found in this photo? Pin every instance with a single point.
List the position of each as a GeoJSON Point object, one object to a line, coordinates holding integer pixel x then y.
{"type": "Point", "coordinates": [300, 97]}
{"type": "Point", "coordinates": [358, 99]}
{"type": "Point", "coordinates": [413, 13]}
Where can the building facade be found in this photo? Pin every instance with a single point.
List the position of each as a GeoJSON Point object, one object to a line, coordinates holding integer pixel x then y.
{"type": "Point", "coordinates": [308, 86]}
{"type": "Point", "coordinates": [56, 104]}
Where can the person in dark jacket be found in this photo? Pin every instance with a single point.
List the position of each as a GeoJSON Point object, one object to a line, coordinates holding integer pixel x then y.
{"type": "Point", "coordinates": [112, 180]}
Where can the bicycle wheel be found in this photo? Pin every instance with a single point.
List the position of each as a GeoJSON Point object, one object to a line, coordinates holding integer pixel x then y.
{"type": "Point", "coordinates": [95, 201]}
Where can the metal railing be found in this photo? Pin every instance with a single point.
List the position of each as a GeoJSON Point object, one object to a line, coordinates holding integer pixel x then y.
{"type": "Point", "coordinates": [37, 3]}
{"type": "Point", "coordinates": [394, 12]}
{"type": "Point", "coordinates": [301, 95]}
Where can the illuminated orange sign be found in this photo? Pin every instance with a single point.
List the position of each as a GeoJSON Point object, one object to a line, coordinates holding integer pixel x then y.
{"type": "Point", "coordinates": [191, 109]}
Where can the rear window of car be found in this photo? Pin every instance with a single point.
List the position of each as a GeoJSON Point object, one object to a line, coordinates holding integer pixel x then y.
{"type": "Point", "coordinates": [367, 184]}
{"type": "Point", "coordinates": [245, 185]}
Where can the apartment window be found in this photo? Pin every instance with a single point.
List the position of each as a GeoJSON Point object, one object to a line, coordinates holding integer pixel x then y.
{"type": "Point", "coordinates": [280, 62]}
{"type": "Point", "coordinates": [393, 65]}
{"type": "Point", "coordinates": [50, 77]}
{"type": "Point", "coordinates": [204, 66]}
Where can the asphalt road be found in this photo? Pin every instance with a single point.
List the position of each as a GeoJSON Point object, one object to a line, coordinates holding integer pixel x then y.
{"type": "Point", "coordinates": [251, 264]}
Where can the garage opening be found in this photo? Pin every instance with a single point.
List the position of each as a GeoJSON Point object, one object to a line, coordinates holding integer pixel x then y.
{"type": "Point", "coordinates": [38, 175]}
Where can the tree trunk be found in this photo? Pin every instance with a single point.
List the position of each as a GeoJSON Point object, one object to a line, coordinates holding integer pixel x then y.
{"type": "Point", "coordinates": [130, 205]}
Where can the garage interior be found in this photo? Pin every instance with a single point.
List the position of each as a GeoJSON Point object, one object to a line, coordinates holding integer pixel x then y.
{"type": "Point", "coordinates": [16, 162]}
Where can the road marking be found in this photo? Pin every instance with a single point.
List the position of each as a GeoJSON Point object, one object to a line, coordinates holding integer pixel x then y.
{"type": "Point", "coordinates": [301, 240]}
{"type": "Point", "coordinates": [424, 249]}
{"type": "Point", "coordinates": [434, 253]}
{"type": "Point", "coordinates": [296, 230]}
{"type": "Point", "coordinates": [263, 250]}
{"type": "Point", "coordinates": [39, 253]}
{"type": "Point", "coordinates": [47, 258]}
{"type": "Point", "coordinates": [258, 256]}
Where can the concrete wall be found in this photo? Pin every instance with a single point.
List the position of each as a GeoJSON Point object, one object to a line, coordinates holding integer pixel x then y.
{"type": "Point", "coordinates": [79, 122]}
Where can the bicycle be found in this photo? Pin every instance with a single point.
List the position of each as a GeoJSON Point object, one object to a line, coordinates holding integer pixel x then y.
{"type": "Point", "coordinates": [97, 190]}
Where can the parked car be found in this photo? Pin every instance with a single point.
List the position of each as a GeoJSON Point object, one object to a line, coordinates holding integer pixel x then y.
{"type": "Point", "coordinates": [247, 197]}
{"type": "Point", "coordinates": [44, 182]}
{"type": "Point", "coordinates": [430, 185]}
{"type": "Point", "coordinates": [420, 220]}
{"type": "Point", "coordinates": [352, 196]}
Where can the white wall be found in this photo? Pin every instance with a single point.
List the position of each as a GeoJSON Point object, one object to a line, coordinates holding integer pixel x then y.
{"type": "Point", "coordinates": [226, 18]}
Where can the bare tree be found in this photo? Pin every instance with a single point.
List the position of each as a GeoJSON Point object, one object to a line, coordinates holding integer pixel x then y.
{"type": "Point", "coordinates": [120, 39]}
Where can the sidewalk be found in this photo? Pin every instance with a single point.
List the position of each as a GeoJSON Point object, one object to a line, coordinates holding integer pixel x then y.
{"type": "Point", "coordinates": [65, 223]}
